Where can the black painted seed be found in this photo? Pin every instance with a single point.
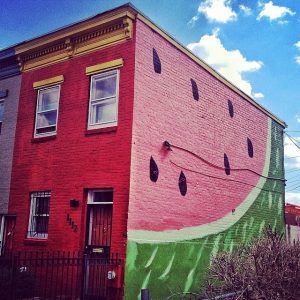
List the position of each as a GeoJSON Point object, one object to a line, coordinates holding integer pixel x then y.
{"type": "Point", "coordinates": [250, 148]}
{"type": "Point", "coordinates": [153, 170]}
{"type": "Point", "coordinates": [230, 108]}
{"type": "Point", "coordinates": [156, 62]}
{"type": "Point", "coordinates": [182, 184]}
{"type": "Point", "coordinates": [226, 164]}
{"type": "Point", "coordinates": [195, 89]}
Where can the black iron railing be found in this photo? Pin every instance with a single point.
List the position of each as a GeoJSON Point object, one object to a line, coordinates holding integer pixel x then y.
{"type": "Point", "coordinates": [60, 275]}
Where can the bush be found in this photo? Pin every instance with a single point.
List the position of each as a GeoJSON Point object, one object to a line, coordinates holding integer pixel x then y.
{"type": "Point", "coordinates": [267, 269]}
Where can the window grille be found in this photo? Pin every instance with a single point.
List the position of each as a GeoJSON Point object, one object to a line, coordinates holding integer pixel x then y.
{"type": "Point", "coordinates": [39, 215]}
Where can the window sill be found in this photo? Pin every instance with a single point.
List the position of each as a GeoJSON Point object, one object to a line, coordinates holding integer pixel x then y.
{"type": "Point", "coordinates": [40, 139]}
{"type": "Point", "coordinates": [101, 130]}
{"type": "Point", "coordinates": [35, 242]}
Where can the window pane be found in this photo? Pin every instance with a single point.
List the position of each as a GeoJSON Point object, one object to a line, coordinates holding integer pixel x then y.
{"type": "Point", "coordinates": [41, 225]}
{"type": "Point", "coordinates": [42, 206]}
{"type": "Point", "coordinates": [46, 119]}
{"type": "Point", "coordinates": [48, 99]}
{"type": "Point", "coordinates": [104, 112]}
{"type": "Point", "coordinates": [103, 196]}
{"type": "Point", "coordinates": [46, 130]}
{"type": "Point", "coordinates": [104, 87]}
{"type": "Point", "coordinates": [1, 110]}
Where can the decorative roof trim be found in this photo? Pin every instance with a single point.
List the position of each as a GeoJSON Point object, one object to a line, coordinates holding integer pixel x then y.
{"type": "Point", "coordinates": [48, 82]}
{"type": "Point", "coordinates": [78, 39]}
{"type": "Point", "coordinates": [77, 28]}
{"type": "Point", "coordinates": [110, 65]}
{"type": "Point", "coordinates": [209, 69]}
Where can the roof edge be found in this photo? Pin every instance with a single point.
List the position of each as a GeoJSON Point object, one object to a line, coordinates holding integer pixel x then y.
{"type": "Point", "coordinates": [20, 47]}
{"type": "Point", "coordinates": [203, 64]}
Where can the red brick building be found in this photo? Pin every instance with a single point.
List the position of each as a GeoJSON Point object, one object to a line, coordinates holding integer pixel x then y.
{"type": "Point", "coordinates": [71, 154]}
{"type": "Point", "coordinates": [292, 222]}
{"type": "Point", "coordinates": [128, 143]}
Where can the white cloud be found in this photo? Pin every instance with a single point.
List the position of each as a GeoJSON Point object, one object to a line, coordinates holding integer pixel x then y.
{"type": "Point", "coordinates": [292, 152]}
{"type": "Point", "coordinates": [230, 63]}
{"type": "Point", "coordinates": [297, 45]}
{"type": "Point", "coordinates": [193, 20]}
{"type": "Point", "coordinates": [245, 9]}
{"type": "Point", "coordinates": [258, 95]}
{"type": "Point", "coordinates": [283, 22]}
{"type": "Point", "coordinates": [297, 58]}
{"type": "Point", "coordinates": [292, 198]}
{"type": "Point", "coordinates": [274, 12]}
{"type": "Point", "coordinates": [217, 11]}
{"type": "Point", "coordinates": [298, 118]}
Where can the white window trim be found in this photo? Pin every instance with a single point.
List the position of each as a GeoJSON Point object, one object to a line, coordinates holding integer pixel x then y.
{"type": "Point", "coordinates": [110, 123]}
{"type": "Point", "coordinates": [31, 234]}
{"type": "Point", "coordinates": [36, 112]}
{"type": "Point", "coordinates": [91, 193]}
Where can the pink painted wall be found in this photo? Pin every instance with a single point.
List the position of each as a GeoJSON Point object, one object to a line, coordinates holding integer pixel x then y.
{"type": "Point", "coordinates": [164, 109]}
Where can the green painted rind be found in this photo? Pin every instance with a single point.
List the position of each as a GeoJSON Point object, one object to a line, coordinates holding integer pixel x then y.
{"type": "Point", "coordinates": [169, 267]}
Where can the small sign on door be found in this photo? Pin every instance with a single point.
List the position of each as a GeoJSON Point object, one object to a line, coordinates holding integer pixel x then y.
{"type": "Point", "coordinates": [98, 250]}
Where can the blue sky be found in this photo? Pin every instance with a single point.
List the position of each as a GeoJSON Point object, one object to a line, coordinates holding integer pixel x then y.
{"type": "Point", "coordinates": [254, 43]}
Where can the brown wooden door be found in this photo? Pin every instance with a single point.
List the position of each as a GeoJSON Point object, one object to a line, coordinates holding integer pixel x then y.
{"type": "Point", "coordinates": [99, 231]}
{"type": "Point", "coordinates": [98, 251]}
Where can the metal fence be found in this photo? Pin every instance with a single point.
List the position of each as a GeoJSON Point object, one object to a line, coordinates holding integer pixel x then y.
{"type": "Point", "coordinates": [60, 275]}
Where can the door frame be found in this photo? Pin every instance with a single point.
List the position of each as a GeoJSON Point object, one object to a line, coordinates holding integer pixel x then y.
{"type": "Point", "coordinates": [89, 216]}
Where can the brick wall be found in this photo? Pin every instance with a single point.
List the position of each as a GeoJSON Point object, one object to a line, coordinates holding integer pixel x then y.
{"type": "Point", "coordinates": [173, 237]}
{"type": "Point", "coordinates": [166, 110]}
{"type": "Point", "coordinates": [73, 161]}
{"type": "Point", "coordinates": [7, 136]}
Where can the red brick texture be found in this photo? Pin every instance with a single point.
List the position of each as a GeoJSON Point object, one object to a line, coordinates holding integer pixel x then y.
{"type": "Point", "coordinates": [164, 109]}
{"type": "Point", "coordinates": [73, 161]}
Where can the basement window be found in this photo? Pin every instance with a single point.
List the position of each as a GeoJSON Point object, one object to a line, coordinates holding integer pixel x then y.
{"type": "Point", "coordinates": [39, 215]}
{"type": "Point", "coordinates": [104, 96]}
{"type": "Point", "coordinates": [47, 111]}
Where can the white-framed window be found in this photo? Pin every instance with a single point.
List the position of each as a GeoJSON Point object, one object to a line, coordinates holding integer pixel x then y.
{"type": "Point", "coordinates": [39, 215]}
{"type": "Point", "coordinates": [47, 111]}
{"type": "Point", "coordinates": [104, 94]}
{"type": "Point", "coordinates": [100, 196]}
{"type": "Point", "coordinates": [1, 113]}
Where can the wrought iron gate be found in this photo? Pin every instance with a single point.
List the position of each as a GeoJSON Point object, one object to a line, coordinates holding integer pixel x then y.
{"type": "Point", "coordinates": [60, 275]}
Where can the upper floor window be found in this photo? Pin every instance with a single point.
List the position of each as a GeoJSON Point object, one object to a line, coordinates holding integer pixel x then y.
{"type": "Point", "coordinates": [104, 94]}
{"type": "Point", "coordinates": [1, 113]}
{"type": "Point", "coordinates": [47, 111]}
{"type": "Point", "coordinates": [39, 215]}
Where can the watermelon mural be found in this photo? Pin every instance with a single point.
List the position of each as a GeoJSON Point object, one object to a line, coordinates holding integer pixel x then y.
{"type": "Point", "coordinates": [206, 175]}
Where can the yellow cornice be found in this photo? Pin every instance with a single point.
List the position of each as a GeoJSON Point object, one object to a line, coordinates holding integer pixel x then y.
{"type": "Point", "coordinates": [113, 64]}
{"type": "Point", "coordinates": [207, 67]}
{"type": "Point", "coordinates": [90, 35]}
{"type": "Point", "coordinates": [48, 82]}
{"type": "Point", "coordinates": [73, 30]}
